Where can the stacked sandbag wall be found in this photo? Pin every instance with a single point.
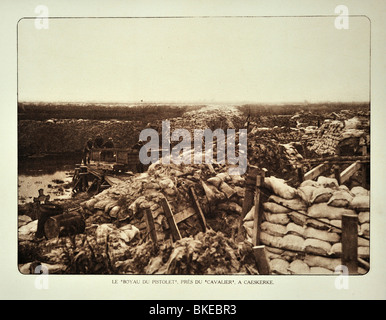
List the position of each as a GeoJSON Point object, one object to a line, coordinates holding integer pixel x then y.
{"type": "Point", "coordinates": [301, 227]}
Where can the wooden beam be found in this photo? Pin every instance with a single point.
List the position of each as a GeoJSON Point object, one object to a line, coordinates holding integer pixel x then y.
{"type": "Point", "coordinates": [197, 208]}
{"type": "Point", "coordinates": [151, 226]}
{"type": "Point", "coordinates": [350, 242]}
{"type": "Point", "coordinates": [169, 216]}
{"type": "Point", "coordinates": [258, 214]}
{"type": "Point", "coordinates": [262, 263]}
{"type": "Point", "coordinates": [184, 214]}
{"type": "Point", "coordinates": [300, 173]}
{"type": "Point", "coordinates": [349, 171]}
{"type": "Point", "coordinates": [315, 172]}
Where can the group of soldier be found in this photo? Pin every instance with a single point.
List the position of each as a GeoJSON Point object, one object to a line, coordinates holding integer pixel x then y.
{"type": "Point", "coordinates": [98, 143]}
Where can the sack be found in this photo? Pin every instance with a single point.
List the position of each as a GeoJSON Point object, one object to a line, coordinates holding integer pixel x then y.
{"type": "Point", "coordinates": [305, 193]}
{"type": "Point", "coordinates": [321, 195]}
{"type": "Point", "coordinates": [279, 266]}
{"type": "Point", "coordinates": [365, 229]}
{"type": "Point", "coordinates": [360, 203]}
{"type": "Point", "coordinates": [293, 228]}
{"type": "Point", "coordinates": [274, 207]}
{"type": "Point", "coordinates": [323, 262]}
{"type": "Point", "coordinates": [340, 198]}
{"type": "Point", "coordinates": [364, 217]}
{"type": "Point", "coordinates": [270, 240]}
{"type": "Point", "coordinates": [322, 210]}
{"type": "Point", "coordinates": [297, 218]}
{"type": "Point", "coordinates": [328, 182]}
{"type": "Point", "coordinates": [321, 235]}
{"type": "Point", "coordinates": [318, 224]}
{"type": "Point", "coordinates": [316, 246]}
{"type": "Point", "coordinates": [278, 218]}
{"type": "Point", "coordinates": [292, 242]}
{"type": "Point", "coordinates": [280, 188]}
{"type": "Point", "coordinates": [336, 249]}
{"type": "Point", "coordinates": [273, 229]}
{"type": "Point", "coordinates": [360, 191]}
{"type": "Point", "coordinates": [294, 204]}
{"type": "Point", "coordinates": [298, 267]}
{"type": "Point", "coordinates": [364, 252]}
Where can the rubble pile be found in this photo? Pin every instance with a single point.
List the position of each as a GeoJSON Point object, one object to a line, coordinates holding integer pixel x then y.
{"type": "Point", "coordinates": [302, 227]}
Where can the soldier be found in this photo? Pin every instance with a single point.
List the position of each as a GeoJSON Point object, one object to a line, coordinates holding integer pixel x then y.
{"type": "Point", "coordinates": [109, 143]}
{"type": "Point", "coordinates": [87, 150]}
{"type": "Point", "coordinates": [98, 143]}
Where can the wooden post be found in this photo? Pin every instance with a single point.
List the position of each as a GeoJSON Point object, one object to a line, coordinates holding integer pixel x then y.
{"type": "Point", "coordinates": [250, 185]}
{"type": "Point", "coordinates": [197, 208]}
{"type": "Point", "coordinates": [315, 172]}
{"type": "Point", "coordinates": [169, 216]}
{"type": "Point", "coordinates": [349, 171]}
{"type": "Point", "coordinates": [150, 226]}
{"type": "Point", "coordinates": [350, 242]}
{"type": "Point", "coordinates": [337, 173]}
{"type": "Point", "coordinates": [258, 214]}
{"type": "Point", "coordinates": [261, 260]}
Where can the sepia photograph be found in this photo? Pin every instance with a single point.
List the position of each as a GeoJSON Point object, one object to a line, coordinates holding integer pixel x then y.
{"type": "Point", "coordinates": [194, 145]}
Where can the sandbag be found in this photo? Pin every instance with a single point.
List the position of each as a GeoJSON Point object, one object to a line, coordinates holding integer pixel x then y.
{"type": "Point", "coordinates": [316, 246]}
{"type": "Point", "coordinates": [292, 242]}
{"type": "Point", "coordinates": [306, 192]}
{"type": "Point", "coordinates": [279, 266]}
{"type": "Point", "coordinates": [364, 217]}
{"type": "Point", "coordinates": [270, 240]}
{"type": "Point", "coordinates": [336, 249]}
{"type": "Point", "coordinates": [280, 188]}
{"type": "Point", "coordinates": [250, 214]}
{"type": "Point", "coordinates": [308, 183]}
{"type": "Point", "coordinates": [321, 195]}
{"type": "Point", "coordinates": [297, 218]}
{"type": "Point", "coordinates": [318, 224]}
{"type": "Point", "coordinates": [360, 203]}
{"type": "Point", "coordinates": [359, 191]}
{"type": "Point", "coordinates": [294, 204]}
{"type": "Point", "coordinates": [293, 228]}
{"type": "Point", "coordinates": [320, 270]}
{"type": "Point", "coordinates": [364, 252]}
{"type": "Point", "coordinates": [328, 182]}
{"type": "Point", "coordinates": [274, 250]}
{"type": "Point", "coordinates": [274, 207]}
{"type": "Point", "coordinates": [298, 267]}
{"type": "Point", "coordinates": [321, 235]}
{"type": "Point", "coordinates": [322, 210]}
{"type": "Point", "coordinates": [365, 229]}
{"type": "Point", "coordinates": [274, 229]}
{"type": "Point", "coordinates": [340, 198]}
{"type": "Point", "coordinates": [323, 262]}
{"type": "Point", "coordinates": [278, 218]}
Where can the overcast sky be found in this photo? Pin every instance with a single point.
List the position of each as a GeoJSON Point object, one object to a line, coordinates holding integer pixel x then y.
{"type": "Point", "coordinates": [194, 59]}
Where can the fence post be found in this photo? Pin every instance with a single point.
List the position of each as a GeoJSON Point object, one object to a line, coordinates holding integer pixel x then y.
{"type": "Point", "coordinates": [257, 217]}
{"type": "Point", "coordinates": [300, 173]}
{"type": "Point", "coordinates": [151, 226]}
{"type": "Point", "coordinates": [337, 173]}
{"type": "Point", "coordinates": [350, 242]}
{"type": "Point", "coordinates": [261, 260]}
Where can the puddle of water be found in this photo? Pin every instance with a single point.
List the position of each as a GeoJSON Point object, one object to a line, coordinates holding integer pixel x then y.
{"type": "Point", "coordinates": [56, 185]}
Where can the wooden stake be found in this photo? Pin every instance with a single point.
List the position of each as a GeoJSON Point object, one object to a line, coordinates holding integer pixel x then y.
{"type": "Point", "coordinates": [197, 208]}
{"type": "Point", "coordinates": [350, 242]}
{"type": "Point", "coordinates": [315, 172]}
{"type": "Point", "coordinates": [349, 171]}
{"type": "Point", "coordinates": [300, 173]}
{"type": "Point", "coordinates": [169, 216]}
{"type": "Point", "coordinates": [150, 226]}
{"type": "Point", "coordinates": [257, 217]}
{"type": "Point", "coordinates": [262, 263]}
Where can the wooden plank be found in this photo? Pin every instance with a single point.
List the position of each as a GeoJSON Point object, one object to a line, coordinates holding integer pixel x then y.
{"type": "Point", "coordinates": [257, 217]}
{"type": "Point", "coordinates": [349, 171]}
{"type": "Point", "coordinates": [262, 263]}
{"type": "Point", "coordinates": [169, 216]}
{"type": "Point", "coordinates": [197, 208]}
{"type": "Point", "coordinates": [151, 226]}
{"type": "Point", "coordinates": [184, 214]}
{"type": "Point", "coordinates": [350, 242]}
{"type": "Point", "coordinates": [315, 172]}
